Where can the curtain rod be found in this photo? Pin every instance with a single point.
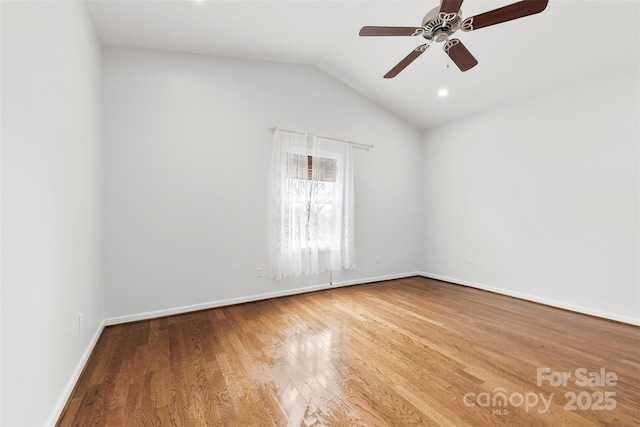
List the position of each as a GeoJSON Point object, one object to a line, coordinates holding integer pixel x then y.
{"type": "Point", "coordinates": [275, 128]}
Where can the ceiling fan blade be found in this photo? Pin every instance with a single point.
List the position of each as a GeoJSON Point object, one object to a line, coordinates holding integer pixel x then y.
{"type": "Point", "coordinates": [460, 54]}
{"type": "Point", "coordinates": [450, 6]}
{"type": "Point", "coordinates": [504, 14]}
{"type": "Point", "coordinates": [390, 31]}
{"type": "Point", "coordinates": [406, 61]}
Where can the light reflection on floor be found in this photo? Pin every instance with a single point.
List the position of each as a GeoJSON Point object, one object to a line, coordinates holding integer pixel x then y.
{"type": "Point", "coordinates": [310, 376]}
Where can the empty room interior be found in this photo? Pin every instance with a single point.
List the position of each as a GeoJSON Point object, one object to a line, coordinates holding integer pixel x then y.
{"type": "Point", "coordinates": [375, 213]}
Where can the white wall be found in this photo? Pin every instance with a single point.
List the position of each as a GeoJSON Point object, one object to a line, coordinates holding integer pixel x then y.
{"type": "Point", "coordinates": [51, 204]}
{"type": "Point", "coordinates": [187, 149]}
{"type": "Point", "coordinates": [543, 196]}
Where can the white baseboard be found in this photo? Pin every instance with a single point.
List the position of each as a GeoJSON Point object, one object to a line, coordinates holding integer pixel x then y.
{"type": "Point", "coordinates": [376, 279]}
{"type": "Point", "coordinates": [250, 298]}
{"type": "Point", "coordinates": [533, 298]}
{"type": "Point", "coordinates": [75, 376]}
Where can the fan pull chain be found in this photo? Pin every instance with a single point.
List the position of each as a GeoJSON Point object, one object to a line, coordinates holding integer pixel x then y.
{"type": "Point", "coordinates": [447, 52]}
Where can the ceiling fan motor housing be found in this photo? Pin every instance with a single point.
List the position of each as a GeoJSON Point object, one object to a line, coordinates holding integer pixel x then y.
{"type": "Point", "coordinates": [439, 26]}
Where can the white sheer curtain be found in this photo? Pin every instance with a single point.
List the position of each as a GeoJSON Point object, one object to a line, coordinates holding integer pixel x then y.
{"type": "Point", "coordinates": [311, 219]}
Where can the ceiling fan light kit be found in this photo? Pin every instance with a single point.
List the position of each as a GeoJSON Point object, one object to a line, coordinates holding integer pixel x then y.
{"type": "Point", "coordinates": [440, 23]}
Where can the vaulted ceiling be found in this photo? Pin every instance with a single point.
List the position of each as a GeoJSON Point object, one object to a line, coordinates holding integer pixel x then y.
{"type": "Point", "coordinates": [570, 40]}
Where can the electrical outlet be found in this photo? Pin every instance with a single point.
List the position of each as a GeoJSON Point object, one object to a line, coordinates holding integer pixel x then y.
{"type": "Point", "coordinates": [80, 316]}
{"type": "Point", "coordinates": [470, 262]}
{"type": "Point", "coordinates": [258, 272]}
{"type": "Point", "coordinates": [379, 259]}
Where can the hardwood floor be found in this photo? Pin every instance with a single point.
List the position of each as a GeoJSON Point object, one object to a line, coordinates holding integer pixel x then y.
{"type": "Point", "coordinates": [399, 353]}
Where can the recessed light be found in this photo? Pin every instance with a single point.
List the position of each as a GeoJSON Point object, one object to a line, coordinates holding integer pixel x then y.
{"type": "Point", "coordinates": [443, 92]}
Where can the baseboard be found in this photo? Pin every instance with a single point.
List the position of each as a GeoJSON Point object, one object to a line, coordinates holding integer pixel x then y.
{"type": "Point", "coordinates": [75, 376]}
{"type": "Point", "coordinates": [537, 299]}
{"type": "Point", "coordinates": [250, 298]}
{"type": "Point", "coordinates": [376, 279]}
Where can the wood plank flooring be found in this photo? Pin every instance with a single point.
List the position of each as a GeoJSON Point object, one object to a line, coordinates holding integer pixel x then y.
{"type": "Point", "coordinates": [409, 352]}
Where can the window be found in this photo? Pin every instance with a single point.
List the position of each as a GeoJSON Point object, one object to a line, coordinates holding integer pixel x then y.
{"type": "Point", "coordinates": [311, 190]}
{"type": "Point", "coordinates": [311, 219]}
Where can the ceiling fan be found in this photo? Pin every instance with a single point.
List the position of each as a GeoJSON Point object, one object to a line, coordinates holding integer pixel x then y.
{"type": "Point", "coordinates": [441, 22]}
